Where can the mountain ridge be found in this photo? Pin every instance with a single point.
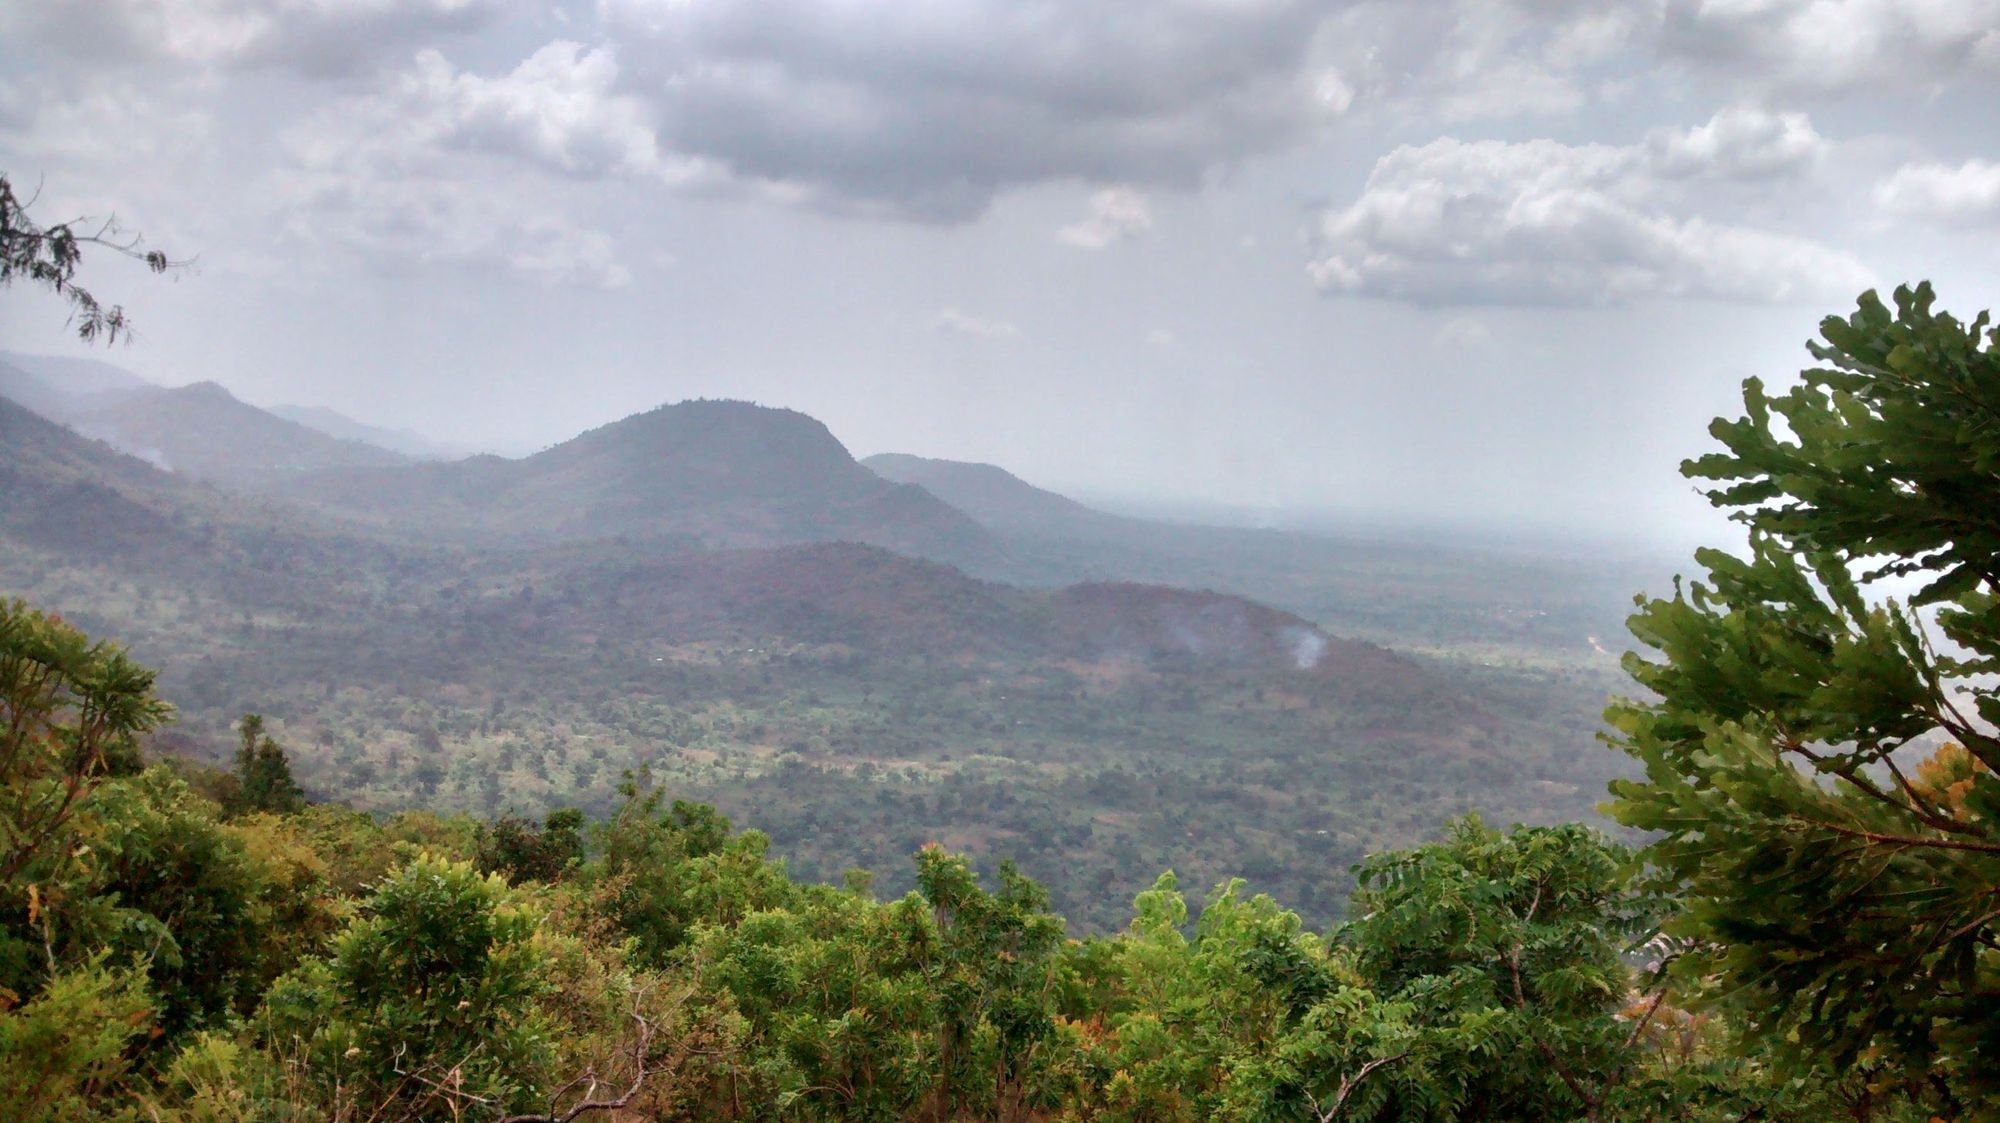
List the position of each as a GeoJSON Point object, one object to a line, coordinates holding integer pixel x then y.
{"type": "Point", "coordinates": [714, 473]}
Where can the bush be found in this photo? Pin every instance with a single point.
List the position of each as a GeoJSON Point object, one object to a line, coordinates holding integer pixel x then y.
{"type": "Point", "coordinates": [425, 1007]}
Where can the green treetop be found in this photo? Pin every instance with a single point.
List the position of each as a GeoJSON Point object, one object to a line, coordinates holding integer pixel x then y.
{"type": "Point", "coordinates": [1819, 755]}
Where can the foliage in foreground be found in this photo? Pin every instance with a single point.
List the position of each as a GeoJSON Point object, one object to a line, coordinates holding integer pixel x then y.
{"type": "Point", "coordinates": [1820, 759]}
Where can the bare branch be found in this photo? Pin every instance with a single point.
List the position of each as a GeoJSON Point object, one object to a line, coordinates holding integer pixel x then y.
{"type": "Point", "coordinates": [641, 1060]}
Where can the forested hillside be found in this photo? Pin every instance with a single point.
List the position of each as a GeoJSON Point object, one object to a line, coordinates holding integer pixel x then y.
{"type": "Point", "coordinates": [851, 700]}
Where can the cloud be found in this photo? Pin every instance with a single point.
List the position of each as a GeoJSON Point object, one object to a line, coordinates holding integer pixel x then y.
{"type": "Point", "coordinates": [441, 165]}
{"type": "Point", "coordinates": [961, 323]}
{"type": "Point", "coordinates": [1540, 222]}
{"type": "Point", "coordinates": [1832, 46]}
{"type": "Point", "coordinates": [1968, 193]}
{"type": "Point", "coordinates": [557, 111]}
{"type": "Point", "coordinates": [1739, 143]}
{"type": "Point", "coordinates": [1462, 60]}
{"type": "Point", "coordinates": [1464, 333]}
{"type": "Point", "coordinates": [928, 111]}
{"type": "Point", "coordinates": [1117, 214]}
{"type": "Point", "coordinates": [111, 127]}
{"type": "Point", "coordinates": [322, 38]}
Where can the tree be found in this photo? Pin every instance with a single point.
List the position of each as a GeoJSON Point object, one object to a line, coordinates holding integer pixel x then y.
{"type": "Point", "coordinates": [1481, 979]}
{"type": "Point", "coordinates": [263, 774]}
{"type": "Point", "coordinates": [425, 1008]}
{"type": "Point", "coordinates": [519, 851]}
{"type": "Point", "coordinates": [71, 712]}
{"type": "Point", "coordinates": [49, 256]}
{"type": "Point", "coordinates": [1820, 757]}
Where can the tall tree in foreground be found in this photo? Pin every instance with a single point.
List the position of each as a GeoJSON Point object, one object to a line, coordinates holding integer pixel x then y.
{"type": "Point", "coordinates": [1820, 755]}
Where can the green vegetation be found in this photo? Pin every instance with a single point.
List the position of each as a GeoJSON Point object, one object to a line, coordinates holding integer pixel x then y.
{"type": "Point", "coordinates": [321, 964]}
{"type": "Point", "coordinates": [1820, 768]}
{"type": "Point", "coordinates": [852, 703]}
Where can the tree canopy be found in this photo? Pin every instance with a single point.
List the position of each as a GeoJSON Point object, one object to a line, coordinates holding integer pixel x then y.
{"type": "Point", "coordinates": [1818, 729]}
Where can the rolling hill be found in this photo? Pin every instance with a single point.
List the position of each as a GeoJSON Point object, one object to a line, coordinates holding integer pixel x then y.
{"type": "Point", "coordinates": [403, 442]}
{"type": "Point", "coordinates": [200, 430]}
{"type": "Point", "coordinates": [850, 699]}
{"type": "Point", "coordinates": [204, 431]}
{"type": "Point", "coordinates": [74, 377]}
{"type": "Point", "coordinates": [706, 473]}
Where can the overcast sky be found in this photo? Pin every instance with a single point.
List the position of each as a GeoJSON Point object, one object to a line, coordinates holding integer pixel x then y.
{"type": "Point", "coordinates": [1495, 262]}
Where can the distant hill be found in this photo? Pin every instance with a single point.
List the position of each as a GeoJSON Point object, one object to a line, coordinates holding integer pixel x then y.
{"type": "Point", "coordinates": [114, 528]}
{"type": "Point", "coordinates": [204, 431]}
{"type": "Point", "coordinates": [872, 600]}
{"type": "Point", "coordinates": [404, 442]}
{"type": "Point", "coordinates": [24, 389]}
{"type": "Point", "coordinates": [713, 473]}
{"type": "Point", "coordinates": [76, 501]}
{"type": "Point", "coordinates": [200, 430]}
{"type": "Point", "coordinates": [74, 376]}
{"type": "Point", "coordinates": [1400, 592]}
{"type": "Point", "coordinates": [996, 497]}
{"type": "Point", "coordinates": [862, 701]}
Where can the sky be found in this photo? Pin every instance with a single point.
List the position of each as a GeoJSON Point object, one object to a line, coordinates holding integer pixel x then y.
{"type": "Point", "coordinates": [1491, 264]}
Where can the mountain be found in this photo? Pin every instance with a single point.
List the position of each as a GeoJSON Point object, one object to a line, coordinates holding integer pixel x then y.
{"type": "Point", "coordinates": [74, 377]}
{"type": "Point", "coordinates": [710, 473]}
{"type": "Point", "coordinates": [204, 431]}
{"type": "Point", "coordinates": [201, 430]}
{"type": "Point", "coordinates": [60, 491]}
{"type": "Point", "coordinates": [404, 442]}
{"type": "Point", "coordinates": [860, 701]}
{"type": "Point", "coordinates": [994, 496]}
{"type": "Point", "coordinates": [22, 388]}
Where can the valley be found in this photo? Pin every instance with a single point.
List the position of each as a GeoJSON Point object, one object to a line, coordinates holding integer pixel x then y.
{"type": "Point", "coordinates": [856, 659]}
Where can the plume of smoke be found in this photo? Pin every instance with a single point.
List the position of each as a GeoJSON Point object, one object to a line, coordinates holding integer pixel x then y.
{"type": "Point", "coordinates": [1308, 647]}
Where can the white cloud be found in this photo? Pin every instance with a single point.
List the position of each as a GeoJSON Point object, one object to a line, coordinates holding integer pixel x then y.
{"type": "Point", "coordinates": [558, 111]}
{"type": "Point", "coordinates": [979, 327]}
{"type": "Point", "coordinates": [1540, 222]}
{"type": "Point", "coordinates": [446, 166]}
{"type": "Point", "coordinates": [1117, 214]}
{"type": "Point", "coordinates": [1969, 192]}
{"type": "Point", "coordinates": [1738, 143]}
{"type": "Point", "coordinates": [1462, 60]}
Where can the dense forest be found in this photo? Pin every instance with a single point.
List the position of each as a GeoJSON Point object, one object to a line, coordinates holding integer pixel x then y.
{"type": "Point", "coordinates": [1802, 926]}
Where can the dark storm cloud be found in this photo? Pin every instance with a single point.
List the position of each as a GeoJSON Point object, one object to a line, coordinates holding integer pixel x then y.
{"type": "Point", "coordinates": [927, 111]}
{"type": "Point", "coordinates": [319, 38]}
{"type": "Point", "coordinates": [1836, 46]}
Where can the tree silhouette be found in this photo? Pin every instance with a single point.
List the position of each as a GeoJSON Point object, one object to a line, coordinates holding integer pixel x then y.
{"type": "Point", "coordinates": [49, 256]}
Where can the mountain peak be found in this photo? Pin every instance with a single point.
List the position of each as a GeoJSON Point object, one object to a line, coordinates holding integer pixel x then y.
{"type": "Point", "coordinates": [206, 389]}
{"type": "Point", "coordinates": [719, 472]}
